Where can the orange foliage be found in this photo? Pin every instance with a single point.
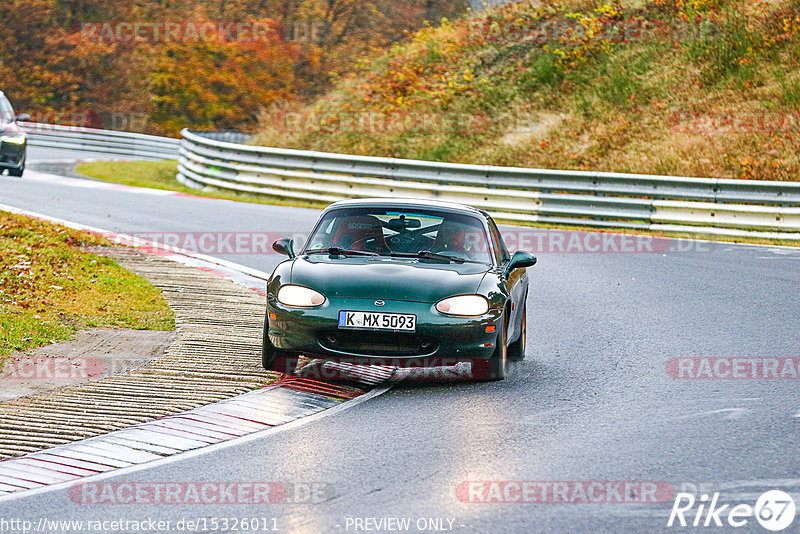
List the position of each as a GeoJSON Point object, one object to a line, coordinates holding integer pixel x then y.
{"type": "Point", "coordinates": [219, 84]}
{"type": "Point", "coordinates": [53, 57]}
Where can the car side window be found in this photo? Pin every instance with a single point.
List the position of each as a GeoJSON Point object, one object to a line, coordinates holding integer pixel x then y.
{"type": "Point", "coordinates": [499, 244]}
{"type": "Point", "coordinates": [6, 111]}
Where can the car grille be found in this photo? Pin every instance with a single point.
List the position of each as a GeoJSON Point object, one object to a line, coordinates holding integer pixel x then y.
{"type": "Point", "coordinates": [371, 343]}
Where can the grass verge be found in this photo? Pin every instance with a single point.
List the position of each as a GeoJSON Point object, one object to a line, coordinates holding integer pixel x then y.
{"type": "Point", "coordinates": [50, 286]}
{"type": "Point", "coordinates": [703, 88]}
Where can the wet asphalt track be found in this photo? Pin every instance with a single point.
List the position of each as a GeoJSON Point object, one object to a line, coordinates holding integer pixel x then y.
{"type": "Point", "coordinates": [591, 402]}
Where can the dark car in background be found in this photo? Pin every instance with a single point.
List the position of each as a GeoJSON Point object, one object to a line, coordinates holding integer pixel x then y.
{"type": "Point", "coordinates": [13, 139]}
{"type": "Point", "coordinates": [407, 283]}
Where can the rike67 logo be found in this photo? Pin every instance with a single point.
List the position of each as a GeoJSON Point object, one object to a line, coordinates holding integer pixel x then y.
{"type": "Point", "coordinates": [774, 510]}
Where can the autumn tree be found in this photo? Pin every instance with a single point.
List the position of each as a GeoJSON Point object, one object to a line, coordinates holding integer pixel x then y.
{"type": "Point", "coordinates": [51, 59]}
{"type": "Point", "coordinates": [46, 67]}
{"type": "Point", "coordinates": [335, 33]}
{"type": "Point", "coordinates": [219, 84]}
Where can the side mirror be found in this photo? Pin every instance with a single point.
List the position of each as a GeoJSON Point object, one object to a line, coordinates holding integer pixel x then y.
{"type": "Point", "coordinates": [22, 117]}
{"type": "Point", "coordinates": [520, 260]}
{"type": "Point", "coordinates": [285, 246]}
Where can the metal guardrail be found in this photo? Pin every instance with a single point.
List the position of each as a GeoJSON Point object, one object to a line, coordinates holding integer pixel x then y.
{"type": "Point", "coordinates": [101, 141]}
{"type": "Point", "coordinates": [700, 206]}
{"type": "Point", "coordinates": [229, 136]}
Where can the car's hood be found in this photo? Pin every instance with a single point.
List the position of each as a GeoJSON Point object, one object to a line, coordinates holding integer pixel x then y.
{"type": "Point", "coordinates": [386, 278]}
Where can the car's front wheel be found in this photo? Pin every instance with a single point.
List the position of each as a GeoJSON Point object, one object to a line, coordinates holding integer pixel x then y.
{"type": "Point", "coordinates": [516, 351]}
{"type": "Point", "coordinates": [273, 359]}
{"type": "Point", "coordinates": [16, 172]}
{"type": "Point", "coordinates": [495, 367]}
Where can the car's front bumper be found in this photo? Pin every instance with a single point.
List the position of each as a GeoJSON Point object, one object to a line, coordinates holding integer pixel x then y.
{"type": "Point", "coordinates": [439, 340]}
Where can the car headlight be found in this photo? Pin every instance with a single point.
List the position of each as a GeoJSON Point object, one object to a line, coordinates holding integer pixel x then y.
{"type": "Point", "coordinates": [300, 297]}
{"type": "Point", "coordinates": [464, 305]}
{"type": "Point", "coordinates": [16, 139]}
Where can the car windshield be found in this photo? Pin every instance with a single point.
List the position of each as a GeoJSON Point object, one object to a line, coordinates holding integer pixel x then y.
{"type": "Point", "coordinates": [403, 232]}
{"type": "Point", "coordinates": [6, 111]}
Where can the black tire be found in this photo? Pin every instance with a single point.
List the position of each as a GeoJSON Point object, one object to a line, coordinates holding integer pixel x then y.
{"type": "Point", "coordinates": [495, 367]}
{"type": "Point", "coordinates": [273, 359]}
{"type": "Point", "coordinates": [16, 172]}
{"type": "Point", "coordinates": [268, 351]}
{"type": "Point", "coordinates": [516, 351]}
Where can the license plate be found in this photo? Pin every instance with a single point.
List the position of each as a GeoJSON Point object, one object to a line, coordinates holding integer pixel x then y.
{"type": "Point", "coordinates": [358, 320]}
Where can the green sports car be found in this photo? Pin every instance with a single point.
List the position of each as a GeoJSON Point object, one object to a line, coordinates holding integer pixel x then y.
{"type": "Point", "coordinates": [407, 283]}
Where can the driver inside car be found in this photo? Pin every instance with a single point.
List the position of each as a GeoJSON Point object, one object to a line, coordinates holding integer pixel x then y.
{"type": "Point", "coordinates": [460, 239]}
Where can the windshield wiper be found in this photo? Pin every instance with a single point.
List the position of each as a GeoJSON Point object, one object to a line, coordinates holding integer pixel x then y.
{"type": "Point", "coordinates": [338, 251]}
{"type": "Point", "coordinates": [428, 255]}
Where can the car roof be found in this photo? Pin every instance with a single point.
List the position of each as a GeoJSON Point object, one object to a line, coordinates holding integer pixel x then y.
{"type": "Point", "coordinates": [408, 202]}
